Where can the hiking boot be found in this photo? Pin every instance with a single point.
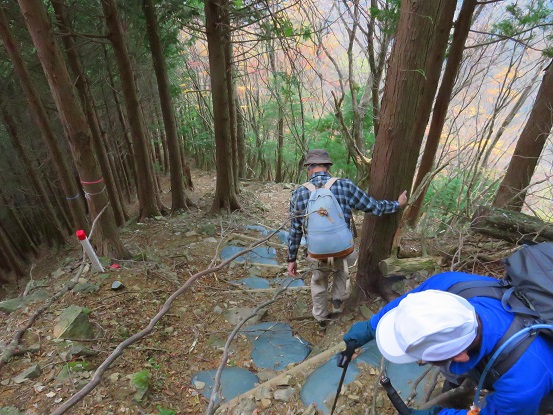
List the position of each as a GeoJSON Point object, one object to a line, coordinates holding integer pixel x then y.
{"type": "Point", "coordinates": [337, 306]}
{"type": "Point", "coordinates": [322, 324]}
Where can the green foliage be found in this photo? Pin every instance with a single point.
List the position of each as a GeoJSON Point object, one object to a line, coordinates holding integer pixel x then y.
{"type": "Point", "coordinates": [387, 16]}
{"type": "Point", "coordinates": [152, 363]}
{"type": "Point", "coordinates": [285, 28]}
{"type": "Point", "coordinates": [452, 195]}
{"type": "Point", "coordinates": [445, 191]}
{"type": "Point", "coordinates": [78, 366]}
{"type": "Point", "coordinates": [163, 411]}
{"type": "Point", "coordinates": [526, 20]}
{"type": "Point", "coordinates": [141, 379]}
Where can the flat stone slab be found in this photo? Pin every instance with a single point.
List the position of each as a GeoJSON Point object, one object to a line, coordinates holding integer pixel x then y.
{"type": "Point", "coordinates": [256, 283]}
{"type": "Point", "coordinates": [320, 387]}
{"type": "Point", "coordinates": [282, 235]}
{"type": "Point", "coordinates": [274, 345]}
{"type": "Point", "coordinates": [234, 381]}
{"type": "Point", "coordinates": [253, 282]}
{"type": "Point", "coordinates": [259, 255]}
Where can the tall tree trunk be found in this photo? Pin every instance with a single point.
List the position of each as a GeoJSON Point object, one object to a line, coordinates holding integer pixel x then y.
{"type": "Point", "coordinates": [377, 62]}
{"type": "Point", "coordinates": [147, 197]}
{"type": "Point", "coordinates": [280, 111]}
{"type": "Point", "coordinates": [460, 33]}
{"type": "Point", "coordinates": [83, 88]}
{"type": "Point", "coordinates": [76, 206]}
{"type": "Point", "coordinates": [23, 234]}
{"type": "Point", "coordinates": [413, 74]}
{"type": "Point", "coordinates": [512, 190]}
{"type": "Point", "coordinates": [241, 138]}
{"type": "Point", "coordinates": [280, 146]}
{"type": "Point", "coordinates": [12, 260]}
{"type": "Point", "coordinates": [74, 123]}
{"type": "Point", "coordinates": [178, 195]}
{"type": "Point", "coordinates": [116, 172]}
{"type": "Point", "coordinates": [59, 203]}
{"type": "Point", "coordinates": [225, 190]}
{"type": "Point", "coordinates": [129, 159]}
{"type": "Point", "coordinates": [55, 230]}
{"type": "Point", "coordinates": [231, 90]}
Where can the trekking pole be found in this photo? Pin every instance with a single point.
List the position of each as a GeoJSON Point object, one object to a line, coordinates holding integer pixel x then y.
{"type": "Point", "coordinates": [394, 396]}
{"type": "Point", "coordinates": [345, 366]}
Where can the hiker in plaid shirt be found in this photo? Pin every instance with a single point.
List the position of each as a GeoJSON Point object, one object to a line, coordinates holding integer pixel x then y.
{"type": "Point", "coordinates": [349, 197]}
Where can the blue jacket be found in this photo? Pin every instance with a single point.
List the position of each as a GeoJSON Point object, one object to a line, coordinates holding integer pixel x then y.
{"type": "Point", "coordinates": [520, 390]}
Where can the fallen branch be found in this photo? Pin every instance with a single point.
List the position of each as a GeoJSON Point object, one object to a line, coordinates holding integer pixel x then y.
{"type": "Point", "coordinates": [95, 381]}
{"type": "Point", "coordinates": [217, 383]}
{"type": "Point", "coordinates": [416, 383]}
{"type": "Point", "coordinates": [510, 225]}
{"type": "Point", "coordinates": [264, 290]}
{"type": "Point", "coordinates": [394, 265]}
{"type": "Point", "coordinates": [233, 235]}
{"type": "Point", "coordinates": [13, 347]}
{"type": "Point", "coordinates": [303, 369]}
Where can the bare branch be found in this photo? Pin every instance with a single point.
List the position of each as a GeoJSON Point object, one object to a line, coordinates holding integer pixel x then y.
{"type": "Point", "coordinates": [118, 351]}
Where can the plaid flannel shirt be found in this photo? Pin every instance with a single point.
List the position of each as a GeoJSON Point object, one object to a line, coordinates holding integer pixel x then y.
{"type": "Point", "coordinates": [349, 197]}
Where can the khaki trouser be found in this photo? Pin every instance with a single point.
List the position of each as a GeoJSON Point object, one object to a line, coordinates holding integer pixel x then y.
{"type": "Point", "coordinates": [321, 271]}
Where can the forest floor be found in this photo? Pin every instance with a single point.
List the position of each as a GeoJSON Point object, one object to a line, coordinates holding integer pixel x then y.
{"type": "Point", "coordinates": [190, 337]}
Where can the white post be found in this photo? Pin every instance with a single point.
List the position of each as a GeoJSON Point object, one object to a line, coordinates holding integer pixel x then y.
{"type": "Point", "coordinates": [89, 251]}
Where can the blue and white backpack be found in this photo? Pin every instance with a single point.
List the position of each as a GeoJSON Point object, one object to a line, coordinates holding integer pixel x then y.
{"type": "Point", "coordinates": [326, 231]}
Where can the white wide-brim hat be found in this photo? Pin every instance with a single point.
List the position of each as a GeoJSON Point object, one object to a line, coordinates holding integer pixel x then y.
{"type": "Point", "coordinates": [428, 326]}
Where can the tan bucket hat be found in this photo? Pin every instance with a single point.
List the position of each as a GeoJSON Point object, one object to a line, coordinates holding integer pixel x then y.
{"type": "Point", "coordinates": [317, 156]}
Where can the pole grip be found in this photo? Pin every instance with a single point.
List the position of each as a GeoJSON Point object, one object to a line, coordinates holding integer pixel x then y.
{"type": "Point", "coordinates": [394, 396]}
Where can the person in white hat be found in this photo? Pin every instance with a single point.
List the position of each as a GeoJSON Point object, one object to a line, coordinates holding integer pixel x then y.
{"type": "Point", "coordinates": [349, 197]}
{"type": "Point", "coordinates": [431, 325]}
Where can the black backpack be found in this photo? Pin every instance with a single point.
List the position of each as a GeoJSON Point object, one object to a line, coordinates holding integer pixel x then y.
{"type": "Point", "coordinates": [527, 291]}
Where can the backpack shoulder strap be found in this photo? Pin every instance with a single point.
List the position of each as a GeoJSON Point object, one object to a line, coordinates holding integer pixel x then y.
{"type": "Point", "coordinates": [478, 288]}
{"type": "Point", "coordinates": [309, 186]}
{"type": "Point", "coordinates": [510, 354]}
{"type": "Point", "coordinates": [500, 290]}
{"type": "Point", "coordinates": [330, 182]}
{"type": "Point", "coordinates": [508, 357]}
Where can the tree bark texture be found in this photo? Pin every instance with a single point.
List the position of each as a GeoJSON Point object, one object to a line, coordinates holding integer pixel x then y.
{"type": "Point", "coordinates": [129, 159]}
{"type": "Point", "coordinates": [56, 228]}
{"type": "Point", "coordinates": [74, 123]}
{"type": "Point", "coordinates": [83, 88]}
{"type": "Point", "coordinates": [178, 196]}
{"type": "Point", "coordinates": [241, 138]}
{"type": "Point", "coordinates": [72, 192]}
{"type": "Point", "coordinates": [231, 90]}
{"type": "Point", "coordinates": [460, 34]}
{"type": "Point", "coordinates": [225, 191]}
{"type": "Point", "coordinates": [147, 200]}
{"type": "Point", "coordinates": [512, 190]}
{"type": "Point", "coordinates": [25, 242]}
{"type": "Point", "coordinates": [411, 83]}
{"type": "Point", "coordinates": [12, 261]}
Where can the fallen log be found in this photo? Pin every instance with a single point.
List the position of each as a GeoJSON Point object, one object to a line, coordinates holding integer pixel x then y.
{"type": "Point", "coordinates": [395, 265]}
{"type": "Point", "coordinates": [510, 225]}
{"type": "Point", "coordinates": [302, 370]}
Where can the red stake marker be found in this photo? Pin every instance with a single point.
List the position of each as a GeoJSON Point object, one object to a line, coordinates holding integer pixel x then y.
{"type": "Point", "coordinates": [89, 251]}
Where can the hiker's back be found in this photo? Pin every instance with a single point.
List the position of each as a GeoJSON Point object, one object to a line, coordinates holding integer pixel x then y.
{"type": "Point", "coordinates": [326, 231]}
